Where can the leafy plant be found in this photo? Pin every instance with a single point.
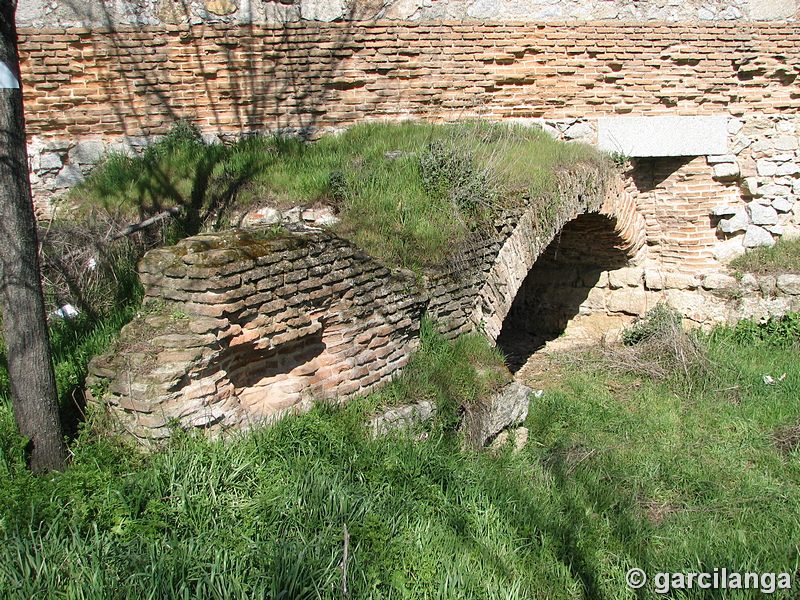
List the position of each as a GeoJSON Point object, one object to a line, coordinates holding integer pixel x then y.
{"type": "Point", "coordinates": [658, 320]}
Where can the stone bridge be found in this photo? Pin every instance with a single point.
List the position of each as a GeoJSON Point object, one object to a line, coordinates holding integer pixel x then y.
{"type": "Point", "coordinates": [244, 326]}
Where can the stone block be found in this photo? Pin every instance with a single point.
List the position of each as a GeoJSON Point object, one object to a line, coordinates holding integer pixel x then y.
{"type": "Point", "coordinates": [750, 187]}
{"type": "Point", "coordinates": [756, 236]}
{"type": "Point", "coordinates": [789, 284]}
{"type": "Point", "coordinates": [86, 153]}
{"type": "Point", "coordinates": [738, 222]}
{"type": "Point", "coordinates": [69, 176]}
{"type": "Point", "coordinates": [749, 283]}
{"type": "Point", "coordinates": [783, 205]}
{"type": "Point", "coordinates": [786, 143]}
{"type": "Point", "coordinates": [788, 169]}
{"type": "Point", "coordinates": [628, 301]}
{"type": "Point", "coordinates": [653, 279]}
{"type": "Point", "coordinates": [726, 172]}
{"type": "Point", "coordinates": [724, 210]}
{"type": "Point", "coordinates": [718, 281]}
{"type": "Point", "coordinates": [768, 284]}
{"type": "Point", "coordinates": [719, 159]}
{"type": "Point", "coordinates": [50, 161]}
{"type": "Point", "coordinates": [680, 281]}
{"type": "Point", "coordinates": [766, 167]}
{"type": "Point", "coordinates": [625, 277]}
{"type": "Point", "coordinates": [663, 136]}
{"type": "Point", "coordinates": [762, 215]}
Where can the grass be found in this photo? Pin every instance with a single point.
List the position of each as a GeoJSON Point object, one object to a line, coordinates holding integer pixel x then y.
{"type": "Point", "coordinates": [621, 470]}
{"type": "Point", "coordinates": [783, 257]}
{"type": "Point", "coordinates": [407, 193]}
{"type": "Point", "coordinates": [73, 342]}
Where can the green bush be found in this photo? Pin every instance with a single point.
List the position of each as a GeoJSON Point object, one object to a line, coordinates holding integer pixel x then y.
{"type": "Point", "coordinates": [659, 320]}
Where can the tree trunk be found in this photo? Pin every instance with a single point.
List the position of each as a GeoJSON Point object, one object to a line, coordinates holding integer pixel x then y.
{"type": "Point", "coordinates": [30, 367]}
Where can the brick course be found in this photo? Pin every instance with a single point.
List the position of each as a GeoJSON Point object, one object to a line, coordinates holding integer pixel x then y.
{"type": "Point", "coordinates": [257, 77]}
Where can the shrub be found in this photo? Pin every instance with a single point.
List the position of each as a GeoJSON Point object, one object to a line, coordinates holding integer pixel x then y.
{"type": "Point", "coordinates": [659, 320]}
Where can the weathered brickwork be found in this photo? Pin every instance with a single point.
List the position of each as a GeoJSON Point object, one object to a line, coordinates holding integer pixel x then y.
{"type": "Point", "coordinates": [243, 328]}
{"type": "Point", "coordinates": [229, 79]}
{"type": "Point", "coordinates": [239, 328]}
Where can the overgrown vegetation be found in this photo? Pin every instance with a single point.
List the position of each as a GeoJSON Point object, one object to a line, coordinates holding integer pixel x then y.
{"type": "Point", "coordinates": [407, 193]}
{"type": "Point", "coordinates": [783, 257]}
{"type": "Point", "coordinates": [622, 469]}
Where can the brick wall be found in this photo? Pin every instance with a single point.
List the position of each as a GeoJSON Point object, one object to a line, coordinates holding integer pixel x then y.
{"type": "Point", "coordinates": [239, 328]}
{"type": "Point", "coordinates": [104, 84]}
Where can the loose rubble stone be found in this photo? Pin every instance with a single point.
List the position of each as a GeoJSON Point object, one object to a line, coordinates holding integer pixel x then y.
{"type": "Point", "coordinates": [262, 216]}
{"type": "Point", "coordinates": [782, 204]}
{"type": "Point", "coordinates": [402, 418]}
{"type": "Point", "coordinates": [506, 408]}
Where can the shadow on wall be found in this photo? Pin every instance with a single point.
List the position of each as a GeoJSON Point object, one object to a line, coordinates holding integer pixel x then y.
{"type": "Point", "coordinates": [558, 286]}
{"type": "Point", "coordinates": [270, 379]}
{"type": "Point", "coordinates": [648, 173]}
{"type": "Point", "coordinates": [233, 67]}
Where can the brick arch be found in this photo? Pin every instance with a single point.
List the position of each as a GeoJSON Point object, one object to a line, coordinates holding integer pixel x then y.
{"type": "Point", "coordinates": [523, 247]}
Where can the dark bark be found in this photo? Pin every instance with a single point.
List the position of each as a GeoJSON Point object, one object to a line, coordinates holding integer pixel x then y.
{"type": "Point", "coordinates": [33, 386]}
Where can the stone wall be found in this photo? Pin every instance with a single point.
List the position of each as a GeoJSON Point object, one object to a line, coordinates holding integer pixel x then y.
{"type": "Point", "coordinates": [243, 327]}
{"type": "Point", "coordinates": [38, 13]}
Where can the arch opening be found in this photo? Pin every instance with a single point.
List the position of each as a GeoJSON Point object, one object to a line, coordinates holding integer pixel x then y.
{"type": "Point", "coordinates": [561, 285]}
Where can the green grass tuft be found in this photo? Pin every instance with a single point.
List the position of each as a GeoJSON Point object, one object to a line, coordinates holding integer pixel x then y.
{"type": "Point", "coordinates": [783, 257]}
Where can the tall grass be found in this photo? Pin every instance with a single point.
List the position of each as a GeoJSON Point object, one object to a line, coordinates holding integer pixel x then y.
{"type": "Point", "coordinates": [407, 193]}
{"type": "Point", "coordinates": [783, 257]}
{"type": "Point", "coordinates": [620, 471]}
